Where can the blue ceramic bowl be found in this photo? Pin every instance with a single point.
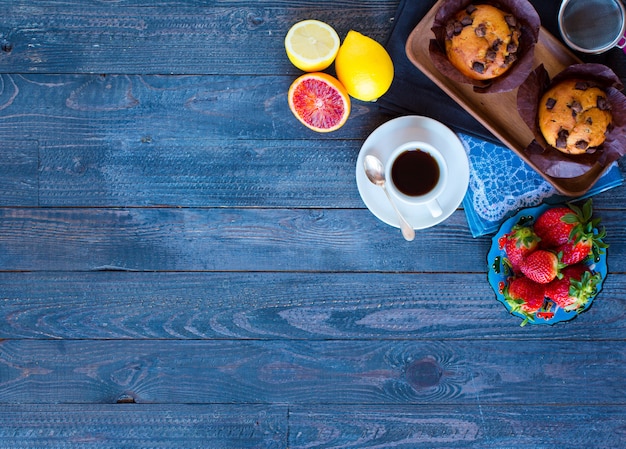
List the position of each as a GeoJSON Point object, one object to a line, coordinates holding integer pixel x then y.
{"type": "Point", "coordinates": [498, 274]}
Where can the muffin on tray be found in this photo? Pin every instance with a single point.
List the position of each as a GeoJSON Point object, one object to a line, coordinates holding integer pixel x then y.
{"type": "Point", "coordinates": [487, 45]}
{"type": "Point", "coordinates": [578, 118]}
{"type": "Point", "coordinates": [482, 41]}
{"type": "Point", "coordinates": [574, 116]}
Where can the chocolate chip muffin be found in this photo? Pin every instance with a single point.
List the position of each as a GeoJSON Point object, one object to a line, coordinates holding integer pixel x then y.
{"type": "Point", "coordinates": [482, 41]}
{"type": "Point", "coordinates": [574, 116]}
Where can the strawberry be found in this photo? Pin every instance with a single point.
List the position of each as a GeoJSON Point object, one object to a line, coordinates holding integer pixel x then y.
{"type": "Point", "coordinates": [541, 266]}
{"type": "Point", "coordinates": [518, 243]}
{"type": "Point", "coordinates": [584, 242]}
{"type": "Point", "coordinates": [556, 225]}
{"type": "Point", "coordinates": [550, 227]}
{"type": "Point", "coordinates": [524, 295]}
{"type": "Point", "coordinates": [575, 289]}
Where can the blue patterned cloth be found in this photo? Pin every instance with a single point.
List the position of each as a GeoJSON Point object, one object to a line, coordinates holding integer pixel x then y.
{"type": "Point", "coordinates": [501, 183]}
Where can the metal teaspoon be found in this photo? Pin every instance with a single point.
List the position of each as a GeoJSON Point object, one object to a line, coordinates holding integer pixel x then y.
{"type": "Point", "coordinates": [376, 174]}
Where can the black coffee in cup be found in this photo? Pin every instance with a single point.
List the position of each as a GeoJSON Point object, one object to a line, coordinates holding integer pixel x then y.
{"type": "Point", "coordinates": [415, 172]}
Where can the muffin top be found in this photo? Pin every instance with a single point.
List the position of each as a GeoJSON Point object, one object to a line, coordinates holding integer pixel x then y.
{"type": "Point", "coordinates": [482, 41]}
{"type": "Point", "coordinates": [574, 116]}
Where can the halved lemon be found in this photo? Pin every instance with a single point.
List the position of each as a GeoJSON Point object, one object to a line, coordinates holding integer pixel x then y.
{"type": "Point", "coordinates": [311, 45]}
{"type": "Point", "coordinates": [319, 101]}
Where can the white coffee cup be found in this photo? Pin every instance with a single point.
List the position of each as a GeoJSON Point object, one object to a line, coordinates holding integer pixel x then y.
{"type": "Point", "coordinates": [417, 174]}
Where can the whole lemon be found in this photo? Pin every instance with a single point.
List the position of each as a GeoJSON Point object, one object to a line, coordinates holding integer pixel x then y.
{"type": "Point", "coordinates": [364, 67]}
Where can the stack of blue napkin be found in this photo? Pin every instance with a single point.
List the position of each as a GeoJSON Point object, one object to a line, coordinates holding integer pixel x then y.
{"type": "Point", "coordinates": [500, 181]}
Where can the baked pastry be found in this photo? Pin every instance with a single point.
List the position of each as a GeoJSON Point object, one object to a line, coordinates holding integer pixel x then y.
{"type": "Point", "coordinates": [482, 41]}
{"type": "Point", "coordinates": [574, 116]}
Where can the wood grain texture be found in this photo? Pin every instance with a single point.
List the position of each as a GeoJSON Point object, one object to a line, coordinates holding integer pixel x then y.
{"type": "Point", "coordinates": [201, 172]}
{"type": "Point", "coordinates": [313, 372]}
{"type": "Point", "coordinates": [184, 37]}
{"type": "Point", "coordinates": [170, 239]}
{"type": "Point", "coordinates": [227, 240]}
{"type": "Point", "coordinates": [479, 426]}
{"type": "Point", "coordinates": [206, 172]}
{"type": "Point", "coordinates": [143, 426]}
{"type": "Point", "coordinates": [282, 306]}
{"type": "Point", "coordinates": [119, 112]}
{"type": "Point", "coordinates": [19, 172]}
{"type": "Point", "coordinates": [138, 426]}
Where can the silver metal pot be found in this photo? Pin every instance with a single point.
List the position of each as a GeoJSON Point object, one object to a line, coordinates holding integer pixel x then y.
{"type": "Point", "coordinates": [593, 26]}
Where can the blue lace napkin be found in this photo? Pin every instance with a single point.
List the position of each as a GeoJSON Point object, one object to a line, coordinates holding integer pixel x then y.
{"type": "Point", "coordinates": [501, 183]}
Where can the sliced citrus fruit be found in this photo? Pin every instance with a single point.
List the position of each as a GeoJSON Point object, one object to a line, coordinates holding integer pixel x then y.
{"type": "Point", "coordinates": [319, 101]}
{"type": "Point", "coordinates": [364, 67]}
{"type": "Point", "coordinates": [311, 45]}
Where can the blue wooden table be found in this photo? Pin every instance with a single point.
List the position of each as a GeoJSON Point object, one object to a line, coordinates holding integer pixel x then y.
{"type": "Point", "coordinates": [183, 265]}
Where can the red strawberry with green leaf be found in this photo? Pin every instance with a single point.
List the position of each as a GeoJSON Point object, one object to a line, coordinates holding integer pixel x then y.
{"type": "Point", "coordinates": [584, 242]}
{"type": "Point", "coordinates": [555, 226]}
{"type": "Point", "coordinates": [574, 290]}
{"type": "Point", "coordinates": [524, 296]}
{"type": "Point", "coordinates": [518, 243]}
{"type": "Point", "coordinates": [541, 266]}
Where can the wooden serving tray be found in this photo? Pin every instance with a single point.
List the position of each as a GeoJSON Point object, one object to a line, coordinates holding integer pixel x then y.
{"type": "Point", "coordinates": [498, 111]}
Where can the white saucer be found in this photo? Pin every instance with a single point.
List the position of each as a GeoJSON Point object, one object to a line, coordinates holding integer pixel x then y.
{"type": "Point", "coordinates": [394, 133]}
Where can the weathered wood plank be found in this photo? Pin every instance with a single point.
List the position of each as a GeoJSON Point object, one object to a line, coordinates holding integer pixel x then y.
{"type": "Point", "coordinates": [140, 426]}
{"type": "Point", "coordinates": [119, 111]}
{"type": "Point", "coordinates": [349, 427]}
{"type": "Point", "coordinates": [468, 372]}
{"type": "Point", "coordinates": [181, 37]}
{"type": "Point", "coordinates": [481, 426]}
{"type": "Point", "coordinates": [200, 172]}
{"type": "Point", "coordinates": [18, 172]}
{"type": "Point", "coordinates": [230, 240]}
{"type": "Point", "coordinates": [207, 172]}
{"type": "Point", "coordinates": [220, 239]}
{"type": "Point", "coordinates": [117, 305]}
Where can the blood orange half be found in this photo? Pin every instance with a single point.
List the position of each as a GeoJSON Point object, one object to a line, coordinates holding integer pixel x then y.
{"type": "Point", "coordinates": [319, 101]}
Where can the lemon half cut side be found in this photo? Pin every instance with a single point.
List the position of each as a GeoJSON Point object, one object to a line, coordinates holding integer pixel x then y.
{"type": "Point", "coordinates": [311, 45]}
